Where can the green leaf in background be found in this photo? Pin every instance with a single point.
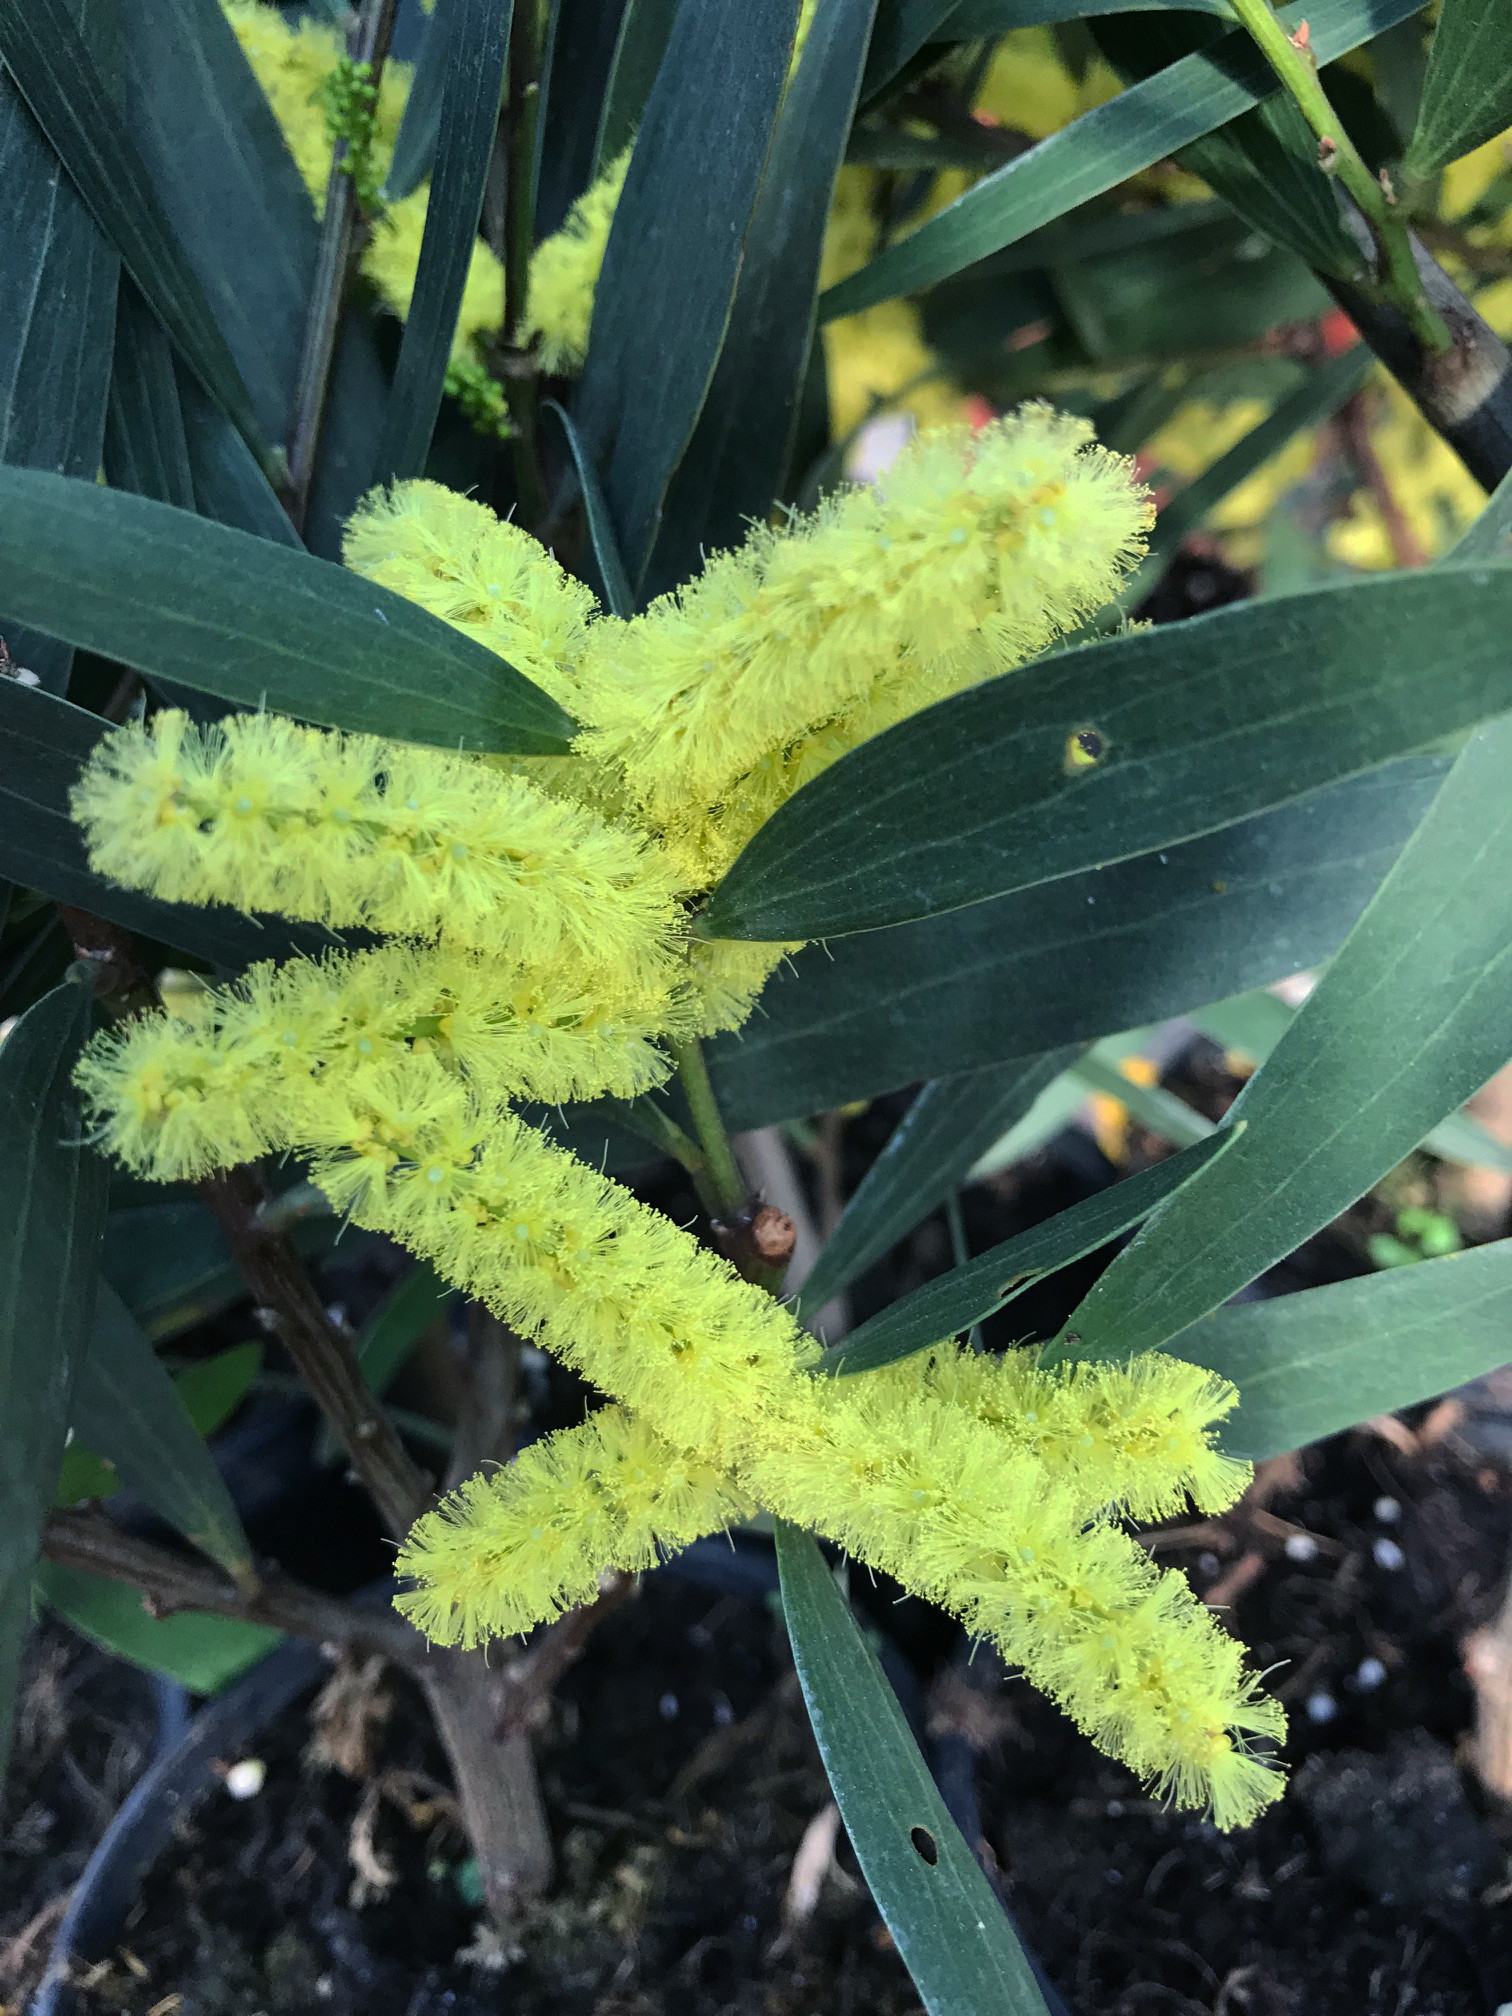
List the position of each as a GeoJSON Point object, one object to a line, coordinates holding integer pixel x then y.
{"type": "Point", "coordinates": [644, 31]}
{"type": "Point", "coordinates": [618, 595]}
{"type": "Point", "coordinates": [903, 27]}
{"type": "Point", "coordinates": [51, 64]}
{"type": "Point", "coordinates": [213, 1389]}
{"type": "Point", "coordinates": [1413, 1015]}
{"type": "Point", "coordinates": [254, 623]}
{"type": "Point", "coordinates": [43, 742]}
{"type": "Point", "coordinates": [477, 46]}
{"type": "Point", "coordinates": [1150, 1106]}
{"type": "Point", "coordinates": [398, 1323]}
{"type": "Point", "coordinates": [1486, 538]}
{"type": "Point", "coordinates": [970, 20]}
{"type": "Point", "coordinates": [662, 304]}
{"type": "Point", "coordinates": [146, 451]}
{"type": "Point", "coordinates": [943, 1132]}
{"type": "Point", "coordinates": [1309, 1365]}
{"type": "Point", "coordinates": [953, 1934]}
{"type": "Point", "coordinates": [1073, 960]}
{"type": "Point", "coordinates": [49, 1256]}
{"type": "Point", "coordinates": [1255, 1023]}
{"type": "Point", "coordinates": [201, 1652]}
{"type": "Point", "coordinates": [170, 1264]}
{"type": "Point", "coordinates": [983, 1285]}
{"type": "Point", "coordinates": [1055, 1108]}
{"type": "Point", "coordinates": [126, 1409]}
{"type": "Point", "coordinates": [58, 272]}
{"type": "Point", "coordinates": [420, 125]}
{"type": "Point", "coordinates": [740, 450]}
{"type": "Point", "coordinates": [228, 484]}
{"type": "Point", "coordinates": [1101, 149]}
{"type": "Point", "coordinates": [1203, 723]}
{"type": "Point", "coordinates": [227, 186]}
{"type": "Point", "coordinates": [1467, 93]}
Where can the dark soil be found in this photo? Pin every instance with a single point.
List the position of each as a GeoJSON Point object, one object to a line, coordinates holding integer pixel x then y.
{"type": "Point", "coordinates": [681, 1779]}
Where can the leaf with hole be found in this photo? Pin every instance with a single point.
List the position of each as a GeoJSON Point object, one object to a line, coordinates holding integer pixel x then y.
{"type": "Point", "coordinates": [954, 1936]}
{"type": "Point", "coordinates": [1203, 723]}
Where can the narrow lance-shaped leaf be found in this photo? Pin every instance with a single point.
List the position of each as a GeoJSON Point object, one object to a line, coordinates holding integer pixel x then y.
{"type": "Point", "coordinates": [1197, 725]}
{"type": "Point", "coordinates": [52, 66]}
{"type": "Point", "coordinates": [254, 623]}
{"type": "Point", "coordinates": [943, 1132]}
{"type": "Point", "coordinates": [1312, 1364]}
{"type": "Point", "coordinates": [49, 1259]}
{"type": "Point", "coordinates": [955, 1938]}
{"type": "Point", "coordinates": [1072, 960]}
{"type": "Point", "coordinates": [618, 595]}
{"type": "Point", "coordinates": [201, 1652]}
{"type": "Point", "coordinates": [1413, 1015]}
{"type": "Point", "coordinates": [1104, 147]}
{"type": "Point", "coordinates": [662, 303]}
{"type": "Point", "coordinates": [127, 1410]}
{"type": "Point", "coordinates": [987, 1283]}
{"type": "Point", "coordinates": [644, 30]}
{"type": "Point", "coordinates": [477, 46]}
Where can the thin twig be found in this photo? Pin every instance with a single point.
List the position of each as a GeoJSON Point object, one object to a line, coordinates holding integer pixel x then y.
{"type": "Point", "coordinates": [369, 44]}
{"type": "Point", "coordinates": [529, 1679]}
{"type": "Point", "coordinates": [169, 1582]}
{"type": "Point", "coordinates": [518, 366]}
{"type": "Point", "coordinates": [321, 1352]}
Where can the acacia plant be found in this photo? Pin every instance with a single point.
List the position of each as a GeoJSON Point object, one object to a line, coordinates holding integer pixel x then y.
{"type": "Point", "coordinates": [465, 739]}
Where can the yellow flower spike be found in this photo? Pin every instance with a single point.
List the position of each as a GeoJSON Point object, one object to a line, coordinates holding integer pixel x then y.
{"type": "Point", "coordinates": [564, 274]}
{"type": "Point", "coordinates": [484, 576]}
{"type": "Point", "coordinates": [911, 1482]}
{"type": "Point", "coordinates": [974, 553]}
{"type": "Point", "coordinates": [1138, 1436]}
{"type": "Point", "coordinates": [263, 814]}
{"type": "Point", "coordinates": [517, 1546]}
{"type": "Point", "coordinates": [262, 1061]}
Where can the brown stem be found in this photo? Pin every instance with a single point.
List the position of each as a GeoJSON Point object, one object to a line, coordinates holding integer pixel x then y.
{"type": "Point", "coordinates": [1353, 422]}
{"type": "Point", "coordinates": [485, 1419]}
{"type": "Point", "coordinates": [529, 1679]}
{"type": "Point", "coordinates": [517, 365]}
{"type": "Point", "coordinates": [322, 1354]}
{"type": "Point", "coordinates": [495, 1778]}
{"type": "Point", "coordinates": [369, 43]}
{"type": "Point", "coordinates": [1465, 392]}
{"type": "Point", "coordinates": [171, 1582]}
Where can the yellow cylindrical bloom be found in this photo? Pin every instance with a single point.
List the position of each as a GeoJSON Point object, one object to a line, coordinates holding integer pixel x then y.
{"type": "Point", "coordinates": [264, 814]}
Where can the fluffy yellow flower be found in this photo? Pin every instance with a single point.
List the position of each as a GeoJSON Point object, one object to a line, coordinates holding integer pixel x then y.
{"type": "Point", "coordinates": [346, 830]}
{"type": "Point", "coordinates": [564, 273]}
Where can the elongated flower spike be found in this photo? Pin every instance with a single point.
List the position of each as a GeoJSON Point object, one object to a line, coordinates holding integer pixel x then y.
{"type": "Point", "coordinates": [261, 813]}
{"type": "Point", "coordinates": [255, 1066]}
{"type": "Point", "coordinates": [913, 1483]}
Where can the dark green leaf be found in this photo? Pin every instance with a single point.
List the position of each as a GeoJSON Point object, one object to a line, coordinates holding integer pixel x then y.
{"type": "Point", "coordinates": [58, 273]}
{"type": "Point", "coordinates": [202, 1653]}
{"type": "Point", "coordinates": [618, 594]}
{"type": "Point", "coordinates": [228, 188]}
{"type": "Point", "coordinates": [664, 294]}
{"type": "Point", "coordinates": [51, 64]}
{"type": "Point", "coordinates": [1071, 961]}
{"type": "Point", "coordinates": [734, 464]}
{"type": "Point", "coordinates": [1101, 149]}
{"type": "Point", "coordinates": [1308, 1365]}
{"type": "Point", "coordinates": [1264, 165]}
{"type": "Point", "coordinates": [903, 27]}
{"type": "Point", "coordinates": [170, 1265]}
{"type": "Point", "coordinates": [398, 1323]}
{"type": "Point", "coordinates": [973, 20]}
{"type": "Point", "coordinates": [1412, 1016]}
{"type": "Point", "coordinates": [214, 1388]}
{"type": "Point", "coordinates": [43, 742]}
{"type": "Point", "coordinates": [1486, 538]}
{"type": "Point", "coordinates": [584, 35]}
{"type": "Point", "coordinates": [228, 485]}
{"type": "Point", "coordinates": [1204, 723]}
{"type": "Point", "coordinates": [953, 1934]}
{"type": "Point", "coordinates": [477, 45]}
{"type": "Point", "coordinates": [1467, 93]}
{"type": "Point", "coordinates": [145, 448]}
{"type": "Point", "coordinates": [950, 1123]}
{"type": "Point", "coordinates": [645, 27]}
{"type": "Point", "coordinates": [49, 1246]}
{"type": "Point", "coordinates": [252, 622]}
{"type": "Point", "coordinates": [125, 1408]}
{"type": "Point", "coordinates": [415, 147]}
{"type": "Point", "coordinates": [1320, 394]}
{"type": "Point", "coordinates": [951, 1304]}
